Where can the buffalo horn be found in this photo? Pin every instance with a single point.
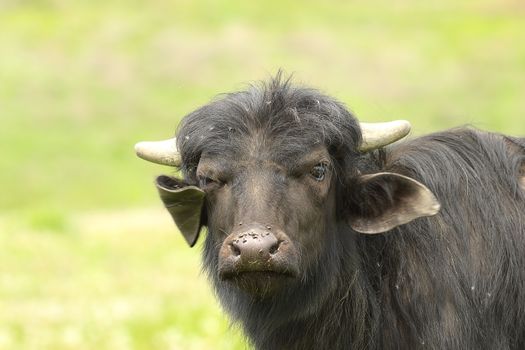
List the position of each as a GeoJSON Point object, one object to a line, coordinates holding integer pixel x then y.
{"type": "Point", "coordinates": [376, 135]}
{"type": "Point", "coordinates": [161, 152]}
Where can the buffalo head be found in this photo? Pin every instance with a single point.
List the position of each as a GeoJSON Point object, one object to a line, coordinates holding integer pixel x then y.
{"type": "Point", "coordinates": [272, 172]}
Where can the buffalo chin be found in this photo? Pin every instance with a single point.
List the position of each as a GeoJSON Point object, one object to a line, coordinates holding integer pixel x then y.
{"type": "Point", "coordinates": [260, 284]}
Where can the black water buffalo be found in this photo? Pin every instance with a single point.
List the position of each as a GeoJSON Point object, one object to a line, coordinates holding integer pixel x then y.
{"type": "Point", "coordinates": [320, 236]}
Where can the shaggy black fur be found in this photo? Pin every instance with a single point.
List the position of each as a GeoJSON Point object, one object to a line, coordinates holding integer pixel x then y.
{"type": "Point", "coordinates": [452, 281]}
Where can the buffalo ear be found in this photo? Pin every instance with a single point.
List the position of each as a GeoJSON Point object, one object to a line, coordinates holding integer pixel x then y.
{"type": "Point", "coordinates": [184, 203]}
{"type": "Point", "coordinates": [383, 201]}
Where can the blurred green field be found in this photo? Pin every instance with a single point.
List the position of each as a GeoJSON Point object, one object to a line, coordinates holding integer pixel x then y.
{"type": "Point", "coordinates": [88, 259]}
{"type": "Point", "coordinates": [113, 280]}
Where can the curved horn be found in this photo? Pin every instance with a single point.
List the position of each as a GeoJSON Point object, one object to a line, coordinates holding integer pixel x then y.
{"type": "Point", "coordinates": [161, 152]}
{"type": "Point", "coordinates": [377, 135]}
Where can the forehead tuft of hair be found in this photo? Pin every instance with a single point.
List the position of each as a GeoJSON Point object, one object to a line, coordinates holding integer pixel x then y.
{"type": "Point", "coordinates": [291, 119]}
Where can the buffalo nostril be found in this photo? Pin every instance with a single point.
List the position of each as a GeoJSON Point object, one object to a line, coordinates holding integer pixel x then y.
{"type": "Point", "coordinates": [235, 250]}
{"type": "Point", "coordinates": [274, 248]}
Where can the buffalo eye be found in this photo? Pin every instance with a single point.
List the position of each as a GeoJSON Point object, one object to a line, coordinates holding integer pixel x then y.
{"type": "Point", "coordinates": [207, 182]}
{"type": "Point", "coordinates": [318, 172]}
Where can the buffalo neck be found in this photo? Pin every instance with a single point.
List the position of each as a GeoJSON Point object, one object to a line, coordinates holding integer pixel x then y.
{"type": "Point", "coordinates": [336, 295]}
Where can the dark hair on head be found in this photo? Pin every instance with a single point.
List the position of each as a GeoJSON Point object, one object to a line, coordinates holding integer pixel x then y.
{"type": "Point", "coordinates": [293, 118]}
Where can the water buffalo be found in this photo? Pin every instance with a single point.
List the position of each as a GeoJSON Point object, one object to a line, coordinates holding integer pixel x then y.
{"type": "Point", "coordinates": [326, 233]}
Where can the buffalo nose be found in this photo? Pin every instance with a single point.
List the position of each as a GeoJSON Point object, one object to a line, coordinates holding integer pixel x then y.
{"type": "Point", "coordinates": [254, 244]}
{"type": "Point", "coordinates": [256, 252]}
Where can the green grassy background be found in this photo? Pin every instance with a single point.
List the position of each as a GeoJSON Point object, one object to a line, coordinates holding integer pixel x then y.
{"type": "Point", "coordinates": [88, 259]}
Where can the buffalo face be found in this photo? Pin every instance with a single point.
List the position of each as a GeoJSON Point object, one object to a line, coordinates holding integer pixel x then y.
{"type": "Point", "coordinates": [263, 215]}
